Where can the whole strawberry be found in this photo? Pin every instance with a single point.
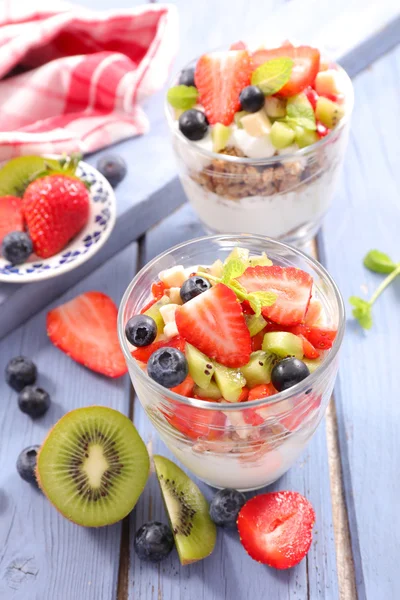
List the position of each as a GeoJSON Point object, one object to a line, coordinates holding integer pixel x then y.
{"type": "Point", "coordinates": [55, 208]}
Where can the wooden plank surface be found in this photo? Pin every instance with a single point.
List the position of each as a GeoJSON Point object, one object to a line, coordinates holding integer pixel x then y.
{"type": "Point", "coordinates": [42, 555]}
{"type": "Point", "coordinates": [366, 215]}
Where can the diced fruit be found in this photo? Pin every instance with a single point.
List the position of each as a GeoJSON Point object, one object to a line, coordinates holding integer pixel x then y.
{"type": "Point", "coordinates": [213, 322]}
{"type": "Point", "coordinates": [312, 96]}
{"type": "Point", "coordinates": [312, 364]}
{"type": "Point", "coordinates": [16, 247]}
{"type": "Point", "coordinates": [187, 77]}
{"type": "Point", "coordinates": [314, 312]}
{"type": "Point", "coordinates": [113, 167]}
{"type": "Point", "coordinates": [174, 295]}
{"type": "Point", "coordinates": [220, 77]}
{"type": "Point", "coordinates": [275, 107]}
{"type": "Point", "coordinates": [255, 324]}
{"type": "Point", "coordinates": [257, 341]}
{"type": "Point", "coordinates": [238, 253]}
{"type": "Point", "coordinates": [143, 354]}
{"type": "Point", "coordinates": [276, 528]}
{"type": "Point", "coordinates": [322, 130]}
{"type": "Point", "coordinates": [320, 338]}
{"type": "Point", "coordinates": [154, 313]}
{"type": "Point", "coordinates": [173, 277]}
{"type": "Point", "coordinates": [20, 371]}
{"type": "Point", "coordinates": [168, 367]}
{"type": "Point", "coordinates": [34, 401]}
{"type": "Point", "coordinates": [185, 388]}
{"type": "Point", "coordinates": [11, 218]}
{"type": "Point", "coordinates": [258, 369]}
{"type": "Point", "coordinates": [217, 268]}
{"type": "Point", "coordinates": [220, 135]}
{"type": "Point", "coordinates": [182, 97]}
{"type": "Point", "coordinates": [85, 328]}
{"type": "Point", "coordinates": [252, 98]}
{"type": "Point", "coordinates": [305, 137]}
{"type": "Point", "coordinates": [168, 312]}
{"type": "Point", "coordinates": [256, 124]}
{"type": "Point", "coordinates": [261, 391]}
{"type": "Point", "coordinates": [141, 330]}
{"type": "Point", "coordinates": [288, 372]}
{"type": "Point", "coordinates": [283, 343]}
{"type": "Point", "coordinates": [201, 367]}
{"type": "Point", "coordinates": [308, 349]}
{"type": "Point", "coordinates": [328, 82]}
{"type": "Point", "coordinates": [292, 287]}
{"type": "Point", "coordinates": [230, 382]}
{"type": "Point", "coordinates": [244, 395]}
{"type": "Point", "coordinates": [281, 135]}
{"type": "Point", "coordinates": [193, 124]}
{"type": "Point", "coordinates": [305, 68]}
{"type": "Point", "coordinates": [328, 112]}
{"type": "Point", "coordinates": [26, 464]}
{"type": "Point", "coordinates": [262, 260]}
{"type": "Point", "coordinates": [153, 541]}
{"type": "Point", "coordinates": [238, 118]}
{"type": "Point", "coordinates": [158, 289]}
{"type": "Point", "coordinates": [225, 507]}
{"type": "Point", "coordinates": [211, 392]}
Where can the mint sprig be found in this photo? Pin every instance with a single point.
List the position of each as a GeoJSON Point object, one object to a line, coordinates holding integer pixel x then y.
{"type": "Point", "coordinates": [302, 115]}
{"type": "Point", "coordinates": [272, 75]}
{"type": "Point", "coordinates": [182, 96]}
{"type": "Point", "coordinates": [378, 262]}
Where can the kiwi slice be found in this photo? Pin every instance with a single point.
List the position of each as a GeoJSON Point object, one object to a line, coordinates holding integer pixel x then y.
{"type": "Point", "coordinates": [201, 367]}
{"type": "Point", "coordinates": [188, 511]}
{"type": "Point", "coordinates": [328, 112]}
{"type": "Point", "coordinates": [211, 392]}
{"type": "Point", "coordinates": [262, 260]}
{"type": "Point", "coordinates": [281, 135]}
{"type": "Point", "coordinates": [283, 343]}
{"type": "Point", "coordinates": [93, 466]}
{"type": "Point", "coordinates": [238, 253]}
{"type": "Point", "coordinates": [229, 381]}
{"type": "Point", "coordinates": [154, 313]}
{"type": "Point", "coordinates": [255, 324]}
{"type": "Point", "coordinates": [312, 363]}
{"type": "Point", "coordinates": [18, 173]}
{"type": "Point", "coordinates": [258, 369]}
{"type": "Point", "coordinates": [220, 135]}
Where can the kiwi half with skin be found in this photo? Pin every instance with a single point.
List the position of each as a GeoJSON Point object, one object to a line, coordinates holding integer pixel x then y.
{"type": "Point", "coordinates": [188, 511]}
{"type": "Point", "coordinates": [93, 466]}
{"type": "Point", "coordinates": [18, 173]}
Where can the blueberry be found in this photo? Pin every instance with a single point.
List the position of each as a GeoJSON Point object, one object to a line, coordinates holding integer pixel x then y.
{"type": "Point", "coordinates": [26, 464]}
{"type": "Point", "coordinates": [187, 77]}
{"type": "Point", "coordinates": [113, 167]}
{"type": "Point", "coordinates": [225, 507]}
{"type": "Point", "coordinates": [251, 98]}
{"type": "Point", "coordinates": [193, 124]}
{"type": "Point", "coordinates": [20, 372]}
{"type": "Point", "coordinates": [33, 401]}
{"type": "Point", "coordinates": [153, 541]}
{"type": "Point", "coordinates": [16, 247]}
{"type": "Point", "coordinates": [288, 372]}
{"type": "Point", "coordinates": [141, 330]}
{"type": "Point", "coordinates": [194, 286]}
{"type": "Point", "coordinates": [168, 367]}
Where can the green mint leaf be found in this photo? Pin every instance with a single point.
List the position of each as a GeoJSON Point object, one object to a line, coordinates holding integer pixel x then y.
{"type": "Point", "coordinates": [258, 300]}
{"type": "Point", "coordinates": [272, 75]}
{"type": "Point", "coordinates": [232, 269]}
{"type": "Point", "coordinates": [182, 96]}
{"type": "Point", "coordinates": [362, 311]}
{"type": "Point", "coordinates": [237, 287]}
{"type": "Point", "coordinates": [379, 262]}
{"type": "Point", "coordinates": [301, 113]}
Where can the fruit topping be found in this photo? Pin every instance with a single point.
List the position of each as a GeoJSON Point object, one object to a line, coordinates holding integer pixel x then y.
{"type": "Point", "coordinates": [187, 77]}
{"type": "Point", "coordinates": [258, 369]}
{"type": "Point", "coordinates": [251, 99]}
{"type": "Point", "coordinates": [93, 466]}
{"type": "Point", "coordinates": [319, 337]}
{"type": "Point", "coordinates": [20, 372]}
{"type": "Point", "coordinates": [220, 135]}
{"type": "Point", "coordinates": [275, 107]}
{"type": "Point", "coordinates": [312, 96]}
{"type": "Point", "coordinates": [141, 330]}
{"type": "Point", "coordinates": [182, 97]}
{"type": "Point", "coordinates": [276, 528]}
{"type": "Point", "coordinates": [193, 124]}
{"type": "Point", "coordinates": [328, 113]}
{"type": "Point", "coordinates": [220, 77]}
{"type": "Point", "coordinates": [194, 286]}
{"type": "Point", "coordinates": [288, 372]}
{"type": "Point", "coordinates": [143, 354]}
{"type": "Point", "coordinates": [113, 168]}
{"type": "Point", "coordinates": [263, 390]}
{"type": "Point", "coordinates": [154, 312]}
{"type": "Point", "coordinates": [211, 392]}
{"type": "Point", "coordinates": [185, 388]}
{"type": "Point", "coordinates": [291, 286]}
{"type": "Point", "coordinates": [197, 423]}
{"type": "Point", "coordinates": [328, 83]}
{"type": "Point", "coordinates": [272, 75]}
{"type": "Point", "coordinates": [225, 507]}
{"type": "Point", "coordinates": [188, 511]}
{"type": "Point", "coordinates": [26, 464]}
{"type": "Point", "coordinates": [153, 541]}
{"type": "Point", "coordinates": [305, 137]}
{"type": "Point", "coordinates": [282, 135]}
{"type": "Point", "coordinates": [201, 368]}
{"type": "Point", "coordinates": [34, 401]}
{"type": "Point", "coordinates": [283, 343]}
{"type": "Point", "coordinates": [85, 328]}
{"type": "Point", "coordinates": [256, 124]}
{"type": "Point", "coordinates": [213, 322]}
{"type": "Point", "coordinates": [308, 349]}
{"type": "Point", "coordinates": [255, 324]}
{"type": "Point", "coordinates": [168, 367]}
{"type": "Point", "coordinates": [230, 382]}
{"type": "Point", "coordinates": [11, 218]}
{"type": "Point", "coordinates": [16, 247]}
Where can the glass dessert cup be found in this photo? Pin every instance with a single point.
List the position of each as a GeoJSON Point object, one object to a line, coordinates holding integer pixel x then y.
{"type": "Point", "coordinates": [216, 441]}
{"type": "Point", "coordinates": [284, 196]}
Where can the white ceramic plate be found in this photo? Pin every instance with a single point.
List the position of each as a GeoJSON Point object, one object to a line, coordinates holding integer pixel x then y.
{"type": "Point", "coordinates": [101, 221]}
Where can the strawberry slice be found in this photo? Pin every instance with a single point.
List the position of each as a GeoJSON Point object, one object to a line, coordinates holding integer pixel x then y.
{"type": "Point", "coordinates": [276, 528]}
{"type": "Point", "coordinates": [305, 68]}
{"type": "Point", "coordinates": [219, 78]}
{"type": "Point", "coordinates": [308, 348]}
{"type": "Point", "coordinates": [143, 354]}
{"type": "Point", "coordinates": [197, 423]}
{"type": "Point", "coordinates": [85, 328]}
{"type": "Point", "coordinates": [320, 338]}
{"type": "Point", "coordinates": [213, 322]}
{"type": "Point", "coordinates": [314, 312]}
{"type": "Point", "coordinates": [158, 289]}
{"type": "Point", "coordinates": [185, 388]}
{"type": "Point", "coordinates": [11, 218]}
{"type": "Point", "coordinates": [292, 287]}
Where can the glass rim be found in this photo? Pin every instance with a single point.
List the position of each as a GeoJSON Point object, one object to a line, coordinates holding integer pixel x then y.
{"type": "Point", "coordinates": [255, 161]}
{"type": "Point", "coordinates": [299, 388]}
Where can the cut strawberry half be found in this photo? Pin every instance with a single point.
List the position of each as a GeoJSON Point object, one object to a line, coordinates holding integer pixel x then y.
{"type": "Point", "coordinates": [85, 328]}
{"type": "Point", "coordinates": [213, 322]}
{"type": "Point", "coordinates": [157, 289]}
{"type": "Point", "coordinates": [308, 348]}
{"type": "Point", "coordinates": [11, 217]}
{"type": "Point", "coordinates": [292, 287]}
{"type": "Point", "coordinates": [276, 529]}
{"type": "Point", "coordinates": [305, 68]}
{"type": "Point", "coordinates": [219, 78]}
{"type": "Point", "coordinates": [143, 354]}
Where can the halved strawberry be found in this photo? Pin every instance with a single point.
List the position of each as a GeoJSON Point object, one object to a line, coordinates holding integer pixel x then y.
{"type": "Point", "coordinates": [143, 354]}
{"type": "Point", "coordinates": [308, 348]}
{"type": "Point", "coordinates": [219, 78]}
{"type": "Point", "coordinates": [11, 218]}
{"type": "Point", "coordinates": [158, 289]}
{"type": "Point", "coordinates": [276, 528]}
{"type": "Point", "coordinates": [292, 287]}
{"type": "Point", "coordinates": [305, 68]}
{"type": "Point", "coordinates": [213, 322]}
{"type": "Point", "coordinates": [85, 328]}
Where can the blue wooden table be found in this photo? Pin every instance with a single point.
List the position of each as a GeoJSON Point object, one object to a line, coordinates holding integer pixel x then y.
{"type": "Point", "coordinates": [350, 471]}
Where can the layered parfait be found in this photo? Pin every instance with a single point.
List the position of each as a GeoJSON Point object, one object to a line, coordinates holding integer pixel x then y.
{"type": "Point", "coordinates": [260, 136]}
{"type": "Point", "coordinates": [240, 349]}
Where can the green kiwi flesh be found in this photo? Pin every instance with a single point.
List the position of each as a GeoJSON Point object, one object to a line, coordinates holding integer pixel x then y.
{"type": "Point", "coordinates": [93, 466]}
{"type": "Point", "coordinates": [188, 511]}
{"type": "Point", "coordinates": [17, 173]}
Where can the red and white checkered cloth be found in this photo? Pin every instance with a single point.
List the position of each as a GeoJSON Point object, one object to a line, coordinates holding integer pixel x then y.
{"type": "Point", "coordinates": [87, 73]}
